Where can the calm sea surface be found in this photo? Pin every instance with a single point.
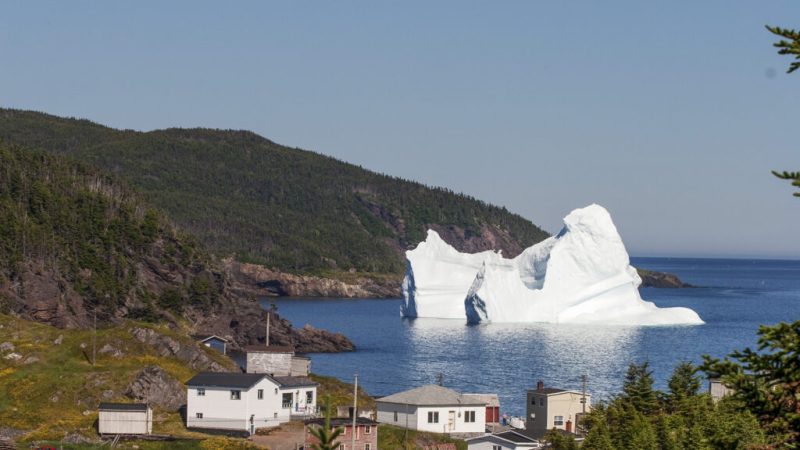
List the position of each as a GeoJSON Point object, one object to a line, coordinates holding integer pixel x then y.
{"type": "Point", "coordinates": [395, 354]}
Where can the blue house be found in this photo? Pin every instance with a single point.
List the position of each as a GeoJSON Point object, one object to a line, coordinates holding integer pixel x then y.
{"type": "Point", "coordinates": [215, 342]}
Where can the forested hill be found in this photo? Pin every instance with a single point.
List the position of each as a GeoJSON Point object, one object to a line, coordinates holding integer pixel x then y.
{"type": "Point", "coordinates": [76, 243]}
{"type": "Point", "coordinates": [285, 208]}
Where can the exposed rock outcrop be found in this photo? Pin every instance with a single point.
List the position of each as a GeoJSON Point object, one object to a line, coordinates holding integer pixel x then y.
{"type": "Point", "coordinates": [154, 386]}
{"type": "Point", "coordinates": [661, 280]}
{"type": "Point", "coordinates": [191, 354]}
{"type": "Point", "coordinates": [259, 281]}
{"type": "Point", "coordinates": [247, 324]}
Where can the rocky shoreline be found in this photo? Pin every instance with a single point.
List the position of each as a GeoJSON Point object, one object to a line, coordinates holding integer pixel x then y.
{"type": "Point", "coordinates": [258, 281]}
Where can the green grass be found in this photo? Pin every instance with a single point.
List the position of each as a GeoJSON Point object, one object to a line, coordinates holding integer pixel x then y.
{"type": "Point", "coordinates": [58, 394]}
{"type": "Point", "coordinates": [396, 438]}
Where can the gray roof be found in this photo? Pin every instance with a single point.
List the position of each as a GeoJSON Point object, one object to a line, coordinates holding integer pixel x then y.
{"type": "Point", "coordinates": [486, 399]}
{"type": "Point", "coordinates": [226, 379]}
{"type": "Point", "coordinates": [123, 407]}
{"type": "Point", "coordinates": [512, 436]}
{"type": "Point", "coordinates": [430, 394]}
{"type": "Point", "coordinates": [295, 381]}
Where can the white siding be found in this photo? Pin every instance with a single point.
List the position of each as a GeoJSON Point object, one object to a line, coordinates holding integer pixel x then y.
{"type": "Point", "coordinates": [386, 412]}
{"type": "Point", "coordinates": [488, 442]}
{"type": "Point", "coordinates": [125, 422]}
{"type": "Point", "coordinates": [220, 411]}
{"type": "Point", "coordinates": [418, 417]}
{"type": "Point", "coordinates": [452, 419]}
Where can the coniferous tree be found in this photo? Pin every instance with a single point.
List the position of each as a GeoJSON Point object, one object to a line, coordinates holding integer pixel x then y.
{"type": "Point", "coordinates": [684, 382]}
{"type": "Point", "coordinates": [789, 45]}
{"type": "Point", "coordinates": [598, 438]}
{"type": "Point", "coordinates": [767, 380]}
{"type": "Point", "coordinates": [638, 388]}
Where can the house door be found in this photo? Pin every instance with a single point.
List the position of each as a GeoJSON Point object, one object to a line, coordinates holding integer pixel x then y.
{"type": "Point", "coordinates": [451, 420]}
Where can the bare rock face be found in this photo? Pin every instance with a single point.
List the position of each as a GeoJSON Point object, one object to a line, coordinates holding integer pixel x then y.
{"type": "Point", "coordinates": [166, 346]}
{"type": "Point", "coordinates": [247, 325]}
{"type": "Point", "coordinates": [256, 280]}
{"type": "Point", "coordinates": [154, 386]}
{"type": "Point", "coordinates": [489, 238]}
{"type": "Point", "coordinates": [661, 280]}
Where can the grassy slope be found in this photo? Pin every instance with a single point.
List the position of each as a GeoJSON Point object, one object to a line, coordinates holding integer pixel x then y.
{"type": "Point", "coordinates": [283, 207]}
{"type": "Point", "coordinates": [59, 394]}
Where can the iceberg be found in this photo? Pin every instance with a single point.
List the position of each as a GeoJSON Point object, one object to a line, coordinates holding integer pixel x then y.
{"type": "Point", "coordinates": [581, 275]}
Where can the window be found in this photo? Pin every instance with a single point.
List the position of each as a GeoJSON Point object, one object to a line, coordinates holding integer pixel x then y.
{"type": "Point", "coordinates": [367, 429]}
{"type": "Point", "coordinates": [342, 447]}
{"type": "Point", "coordinates": [433, 416]}
{"type": "Point", "coordinates": [199, 415]}
{"type": "Point", "coordinates": [276, 391]}
{"type": "Point", "coordinates": [395, 416]}
{"type": "Point", "coordinates": [201, 392]}
{"type": "Point", "coordinates": [275, 415]}
{"type": "Point", "coordinates": [287, 400]}
{"type": "Point", "coordinates": [236, 395]}
{"type": "Point", "coordinates": [497, 447]}
{"type": "Point", "coordinates": [261, 394]}
{"type": "Point", "coordinates": [367, 447]}
{"type": "Point", "coordinates": [541, 401]}
{"type": "Point", "coordinates": [558, 420]}
{"type": "Point", "coordinates": [309, 397]}
{"type": "Point", "coordinates": [469, 416]}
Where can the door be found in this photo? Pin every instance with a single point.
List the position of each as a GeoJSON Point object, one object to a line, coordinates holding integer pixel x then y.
{"type": "Point", "coordinates": [451, 420]}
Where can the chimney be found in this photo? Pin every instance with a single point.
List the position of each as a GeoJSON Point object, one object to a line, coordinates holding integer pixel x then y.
{"type": "Point", "coordinates": [539, 385]}
{"type": "Point", "coordinates": [569, 426]}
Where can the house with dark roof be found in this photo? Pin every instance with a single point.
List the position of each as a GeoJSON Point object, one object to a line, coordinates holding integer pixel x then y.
{"type": "Point", "coordinates": [216, 342]}
{"type": "Point", "coordinates": [507, 440]}
{"type": "Point", "coordinates": [124, 418]}
{"type": "Point", "coordinates": [552, 408]}
{"type": "Point", "coordinates": [247, 401]}
{"type": "Point", "coordinates": [433, 408]}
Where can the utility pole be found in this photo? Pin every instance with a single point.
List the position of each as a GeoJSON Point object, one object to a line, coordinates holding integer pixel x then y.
{"type": "Point", "coordinates": [583, 397]}
{"type": "Point", "coordinates": [266, 339]}
{"type": "Point", "coordinates": [355, 413]}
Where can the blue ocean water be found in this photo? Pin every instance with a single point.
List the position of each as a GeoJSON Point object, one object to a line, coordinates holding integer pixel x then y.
{"type": "Point", "coordinates": [395, 354]}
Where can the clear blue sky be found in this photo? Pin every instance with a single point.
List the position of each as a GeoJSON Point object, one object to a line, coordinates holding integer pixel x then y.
{"type": "Point", "coordinates": [670, 114]}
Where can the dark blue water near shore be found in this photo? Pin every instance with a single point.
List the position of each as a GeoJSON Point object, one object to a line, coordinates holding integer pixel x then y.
{"type": "Point", "coordinates": [394, 354]}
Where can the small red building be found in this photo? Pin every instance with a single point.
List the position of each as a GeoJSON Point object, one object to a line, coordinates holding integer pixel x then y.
{"type": "Point", "coordinates": [366, 433]}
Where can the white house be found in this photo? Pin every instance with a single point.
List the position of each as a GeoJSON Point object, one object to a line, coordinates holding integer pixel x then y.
{"type": "Point", "coordinates": [550, 408]}
{"type": "Point", "coordinates": [507, 440]}
{"type": "Point", "coordinates": [433, 408]}
{"type": "Point", "coordinates": [125, 418]}
{"type": "Point", "coordinates": [247, 401]}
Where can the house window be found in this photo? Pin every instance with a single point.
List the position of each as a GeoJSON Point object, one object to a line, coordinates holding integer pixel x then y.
{"type": "Point", "coordinates": [309, 397]}
{"type": "Point", "coordinates": [342, 447]}
{"type": "Point", "coordinates": [199, 415]}
{"type": "Point", "coordinates": [541, 401]}
{"type": "Point", "coordinates": [276, 391]}
{"type": "Point", "coordinates": [367, 447]}
{"type": "Point", "coordinates": [497, 447]}
{"type": "Point", "coordinates": [201, 392]}
{"type": "Point", "coordinates": [287, 400]}
{"type": "Point", "coordinates": [367, 429]}
{"type": "Point", "coordinates": [433, 416]}
{"type": "Point", "coordinates": [236, 395]}
{"type": "Point", "coordinates": [395, 416]}
{"type": "Point", "coordinates": [558, 420]}
{"type": "Point", "coordinates": [469, 416]}
{"type": "Point", "coordinates": [261, 394]}
{"type": "Point", "coordinates": [275, 415]}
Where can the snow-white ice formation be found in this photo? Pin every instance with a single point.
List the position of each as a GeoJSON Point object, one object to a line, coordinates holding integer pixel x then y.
{"type": "Point", "coordinates": [581, 275]}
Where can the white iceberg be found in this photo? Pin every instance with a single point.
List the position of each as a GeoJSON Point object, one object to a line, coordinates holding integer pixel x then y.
{"type": "Point", "coordinates": [581, 275]}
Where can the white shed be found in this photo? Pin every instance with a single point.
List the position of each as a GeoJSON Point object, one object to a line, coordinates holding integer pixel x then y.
{"type": "Point", "coordinates": [125, 418]}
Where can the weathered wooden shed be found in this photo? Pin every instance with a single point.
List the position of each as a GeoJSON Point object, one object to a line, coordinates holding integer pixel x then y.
{"type": "Point", "coordinates": [125, 418]}
{"type": "Point", "coordinates": [217, 343]}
